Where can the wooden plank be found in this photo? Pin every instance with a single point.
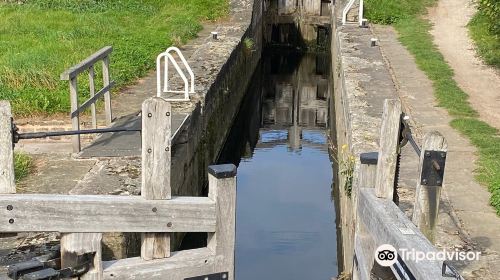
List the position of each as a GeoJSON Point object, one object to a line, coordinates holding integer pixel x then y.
{"type": "Point", "coordinates": [387, 156]}
{"type": "Point", "coordinates": [74, 244]}
{"type": "Point", "coordinates": [73, 71]}
{"type": "Point", "coordinates": [287, 7]}
{"type": "Point", "coordinates": [311, 7]}
{"type": "Point", "coordinates": [368, 170]}
{"type": "Point", "coordinates": [107, 93]}
{"type": "Point", "coordinates": [385, 222]}
{"type": "Point", "coordinates": [366, 178]}
{"type": "Point", "coordinates": [7, 174]}
{"type": "Point", "coordinates": [7, 178]}
{"type": "Point", "coordinates": [92, 94]}
{"type": "Point", "coordinates": [75, 119]}
{"type": "Point", "coordinates": [91, 101]}
{"type": "Point", "coordinates": [90, 213]}
{"type": "Point", "coordinates": [426, 207]}
{"type": "Point", "coordinates": [364, 257]}
{"type": "Point", "coordinates": [181, 265]}
{"type": "Point", "coordinates": [156, 168]}
{"type": "Point", "coordinates": [222, 189]}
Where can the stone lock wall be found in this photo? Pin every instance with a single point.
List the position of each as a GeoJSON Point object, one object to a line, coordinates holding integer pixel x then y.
{"type": "Point", "coordinates": [361, 84]}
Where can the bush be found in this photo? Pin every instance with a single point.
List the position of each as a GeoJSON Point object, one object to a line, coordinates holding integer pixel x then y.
{"type": "Point", "coordinates": [491, 9]}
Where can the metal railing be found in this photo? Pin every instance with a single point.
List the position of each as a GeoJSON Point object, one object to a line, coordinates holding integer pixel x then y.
{"type": "Point", "coordinates": [188, 86]}
{"type": "Point", "coordinates": [71, 75]}
{"type": "Point", "coordinates": [348, 7]}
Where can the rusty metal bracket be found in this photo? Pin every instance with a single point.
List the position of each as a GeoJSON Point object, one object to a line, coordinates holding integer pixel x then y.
{"type": "Point", "coordinates": [215, 276]}
{"type": "Point", "coordinates": [433, 168]}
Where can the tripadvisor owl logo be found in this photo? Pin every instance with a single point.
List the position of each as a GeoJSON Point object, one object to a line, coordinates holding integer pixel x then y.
{"type": "Point", "coordinates": [386, 255]}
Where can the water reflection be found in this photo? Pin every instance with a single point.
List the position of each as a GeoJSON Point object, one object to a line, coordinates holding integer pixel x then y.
{"type": "Point", "coordinates": [285, 217]}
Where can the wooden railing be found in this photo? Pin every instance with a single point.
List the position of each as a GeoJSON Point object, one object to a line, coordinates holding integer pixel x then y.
{"type": "Point", "coordinates": [71, 75]}
{"type": "Point", "coordinates": [156, 213]}
{"type": "Point", "coordinates": [380, 221]}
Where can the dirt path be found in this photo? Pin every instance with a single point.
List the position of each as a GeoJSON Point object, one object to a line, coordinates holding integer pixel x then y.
{"type": "Point", "coordinates": [480, 82]}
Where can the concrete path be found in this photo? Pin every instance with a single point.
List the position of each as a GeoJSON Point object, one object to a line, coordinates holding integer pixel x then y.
{"type": "Point", "coordinates": [479, 81]}
{"type": "Point", "coordinates": [466, 221]}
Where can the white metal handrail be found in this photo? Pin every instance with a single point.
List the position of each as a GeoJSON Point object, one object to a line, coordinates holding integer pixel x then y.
{"type": "Point", "coordinates": [348, 8]}
{"type": "Point", "coordinates": [188, 87]}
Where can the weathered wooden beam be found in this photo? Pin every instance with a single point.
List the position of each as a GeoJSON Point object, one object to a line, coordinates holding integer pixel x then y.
{"type": "Point", "coordinates": [364, 258]}
{"type": "Point", "coordinates": [75, 119]}
{"type": "Point", "coordinates": [180, 265]}
{"type": "Point", "coordinates": [107, 89]}
{"type": "Point", "coordinates": [92, 100]}
{"type": "Point", "coordinates": [74, 244]}
{"type": "Point", "coordinates": [85, 64]}
{"type": "Point", "coordinates": [156, 168]}
{"type": "Point", "coordinates": [222, 189]}
{"type": "Point", "coordinates": [92, 96]}
{"type": "Point", "coordinates": [90, 213]}
{"type": "Point", "coordinates": [388, 151]}
{"type": "Point", "coordinates": [7, 178]}
{"type": "Point", "coordinates": [7, 174]}
{"type": "Point", "coordinates": [426, 207]}
{"type": "Point", "coordinates": [387, 224]}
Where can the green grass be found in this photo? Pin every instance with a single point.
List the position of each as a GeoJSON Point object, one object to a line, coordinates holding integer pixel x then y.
{"type": "Point", "coordinates": [413, 29]}
{"type": "Point", "coordinates": [487, 43]}
{"type": "Point", "coordinates": [23, 165]}
{"type": "Point", "coordinates": [42, 38]}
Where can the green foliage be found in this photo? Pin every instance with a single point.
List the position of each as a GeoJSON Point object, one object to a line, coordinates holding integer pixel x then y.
{"type": "Point", "coordinates": [491, 10]}
{"type": "Point", "coordinates": [487, 140]}
{"type": "Point", "coordinates": [487, 42]}
{"type": "Point", "coordinates": [249, 43]}
{"type": "Point", "coordinates": [391, 11]}
{"type": "Point", "coordinates": [414, 35]}
{"type": "Point", "coordinates": [42, 38]}
{"type": "Point", "coordinates": [346, 164]}
{"type": "Point", "coordinates": [23, 165]}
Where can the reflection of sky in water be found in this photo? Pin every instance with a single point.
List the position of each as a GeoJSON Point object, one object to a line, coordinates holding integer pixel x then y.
{"type": "Point", "coordinates": [273, 136]}
{"type": "Point", "coordinates": [285, 219]}
{"type": "Point", "coordinates": [314, 137]}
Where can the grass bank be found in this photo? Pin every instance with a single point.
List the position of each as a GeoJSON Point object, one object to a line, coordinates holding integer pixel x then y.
{"type": "Point", "coordinates": [406, 17]}
{"type": "Point", "coordinates": [23, 165]}
{"type": "Point", "coordinates": [41, 38]}
{"type": "Point", "coordinates": [487, 43]}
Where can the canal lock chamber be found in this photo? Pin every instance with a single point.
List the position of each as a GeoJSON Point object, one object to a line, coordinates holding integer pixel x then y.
{"type": "Point", "coordinates": [286, 226]}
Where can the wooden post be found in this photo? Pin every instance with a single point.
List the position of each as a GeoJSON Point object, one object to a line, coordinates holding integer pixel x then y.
{"type": "Point", "coordinates": [7, 175]}
{"type": "Point", "coordinates": [92, 93]}
{"type": "Point", "coordinates": [368, 170]}
{"type": "Point", "coordinates": [107, 94]}
{"type": "Point", "coordinates": [7, 178]}
{"type": "Point", "coordinates": [387, 156]}
{"type": "Point", "coordinates": [366, 179]}
{"type": "Point", "coordinates": [74, 244]}
{"type": "Point", "coordinates": [75, 120]}
{"type": "Point", "coordinates": [222, 189]}
{"type": "Point", "coordinates": [426, 207]}
{"type": "Point", "coordinates": [156, 163]}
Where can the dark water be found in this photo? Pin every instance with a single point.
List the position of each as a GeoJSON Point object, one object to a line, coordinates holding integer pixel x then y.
{"type": "Point", "coordinates": [285, 224]}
